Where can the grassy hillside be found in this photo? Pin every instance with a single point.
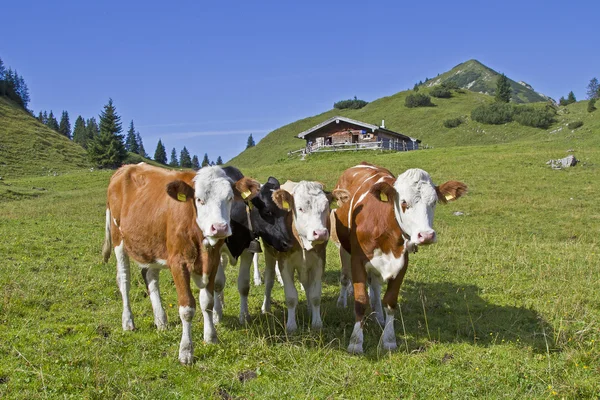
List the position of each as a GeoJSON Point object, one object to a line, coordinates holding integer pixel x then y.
{"type": "Point", "coordinates": [505, 305]}
{"type": "Point", "coordinates": [475, 76]}
{"type": "Point", "coordinates": [28, 147]}
{"type": "Point", "coordinates": [425, 123]}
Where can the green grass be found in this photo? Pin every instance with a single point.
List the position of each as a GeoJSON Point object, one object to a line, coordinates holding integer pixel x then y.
{"type": "Point", "coordinates": [28, 147]}
{"type": "Point", "coordinates": [506, 304]}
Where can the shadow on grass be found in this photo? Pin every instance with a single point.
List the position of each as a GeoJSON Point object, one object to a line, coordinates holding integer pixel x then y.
{"type": "Point", "coordinates": [440, 312]}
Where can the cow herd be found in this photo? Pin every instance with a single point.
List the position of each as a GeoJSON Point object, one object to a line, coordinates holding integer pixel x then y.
{"type": "Point", "coordinates": [194, 223]}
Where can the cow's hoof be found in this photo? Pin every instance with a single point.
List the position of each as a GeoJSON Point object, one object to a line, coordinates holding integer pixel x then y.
{"type": "Point", "coordinates": [161, 325]}
{"type": "Point", "coordinates": [245, 319]}
{"type": "Point", "coordinates": [390, 346]}
{"type": "Point", "coordinates": [317, 326]}
{"type": "Point", "coordinates": [341, 302]}
{"type": "Point", "coordinates": [291, 328]}
{"type": "Point", "coordinates": [128, 325]}
{"type": "Point", "coordinates": [257, 282]}
{"type": "Point", "coordinates": [211, 339]}
{"type": "Point", "coordinates": [186, 358]}
{"type": "Point", "coordinates": [355, 348]}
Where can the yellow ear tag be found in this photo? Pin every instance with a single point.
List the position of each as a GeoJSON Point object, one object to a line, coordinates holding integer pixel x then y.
{"type": "Point", "coordinates": [285, 205]}
{"type": "Point", "coordinates": [246, 194]}
{"type": "Point", "coordinates": [383, 196]}
{"type": "Point", "coordinates": [449, 197]}
{"type": "Point", "coordinates": [181, 197]}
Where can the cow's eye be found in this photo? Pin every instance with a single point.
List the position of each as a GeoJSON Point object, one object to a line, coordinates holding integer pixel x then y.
{"type": "Point", "coordinates": [200, 201]}
{"type": "Point", "coordinates": [301, 209]}
{"type": "Point", "coordinates": [404, 205]}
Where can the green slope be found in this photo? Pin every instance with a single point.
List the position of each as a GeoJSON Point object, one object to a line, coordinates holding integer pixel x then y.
{"type": "Point", "coordinates": [475, 76]}
{"type": "Point", "coordinates": [423, 123]}
{"type": "Point", "coordinates": [28, 147]}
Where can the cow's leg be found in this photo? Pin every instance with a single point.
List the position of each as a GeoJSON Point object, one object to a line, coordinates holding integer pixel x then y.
{"type": "Point", "coordinates": [219, 296]}
{"type": "Point", "coordinates": [124, 284]}
{"type": "Point", "coordinates": [375, 283]}
{"type": "Point", "coordinates": [291, 295]}
{"type": "Point", "coordinates": [314, 295]}
{"type": "Point", "coordinates": [187, 310]}
{"type": "Point", "coordinates": [151, 276]}
{"type": "Point", "coordinates": [244, 285]}
{"type": "Point", "coordinates": [257, 280]}
{"type": "Point", "coordinates": [207, 302]}
{"type": "Point", "coordinates": [345, 279]}
{"type": "Point", "coordinates": [361, 301]}
{"type": "Point", "coordinates": [390, 302]}
{"type": "Point", "coordinates": [278, 273]}
{"type": "Point", "coordinates": [304, 278]}
{"type": "Point", "coordinates": [270, 263]}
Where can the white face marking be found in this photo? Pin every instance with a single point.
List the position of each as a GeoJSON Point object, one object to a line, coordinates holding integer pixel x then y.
{"type": "Point", "coordinates": [311, 213]}
{"type": "Point", "coordinates": [386, 264]}
{"type": "Point", "coordinates": [213, 196]}
{"type": "Point", "coordinates": [355, 193]}
{"type": "Point", "coordinates": [418, 191]}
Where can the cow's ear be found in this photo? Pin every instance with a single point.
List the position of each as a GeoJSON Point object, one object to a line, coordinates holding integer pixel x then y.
{"type": "Point", "coordinates": [273, 181]}
{"type": "Point", "coordinates": [246, 188]}
{"type": "Point", "coordinates": [383, 192]}
{"type": "Point", "coordinates": [180, 191]}
{"type": "Point", "coordinates": [450, 191]}
{"type": "Point", "coordinates": [283, 199]}
{"type": "Point", "coordinates": [341, 195]}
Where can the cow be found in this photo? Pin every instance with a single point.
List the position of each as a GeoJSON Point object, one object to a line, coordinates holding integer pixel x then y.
{"type": "Point", "coordinates": [176, 220]}
{"type": "Point", "coordinates": [261, 218]}
{"type": "Point", "coordinates": [309, 205]}
{"type": "Point", "coordinates": [386, 219]}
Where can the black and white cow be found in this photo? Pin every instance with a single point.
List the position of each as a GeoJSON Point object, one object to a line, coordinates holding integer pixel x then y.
{"type": "Point", "coordinates": [258, 218]}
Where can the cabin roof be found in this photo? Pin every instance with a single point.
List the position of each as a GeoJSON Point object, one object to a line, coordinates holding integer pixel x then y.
{"type": "Point", "coordinates": [370, 127]}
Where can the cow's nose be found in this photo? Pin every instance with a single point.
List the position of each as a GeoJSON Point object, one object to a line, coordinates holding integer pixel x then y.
{"type": "Point", "coordinates": [321, 234]}
{"type": "Point", "coordinates": [427, 237]}
{"type": "Point", "coordinates": [219, 229]}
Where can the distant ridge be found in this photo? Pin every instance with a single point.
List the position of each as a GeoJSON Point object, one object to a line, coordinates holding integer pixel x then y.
{"type": "Point", "coordinates": [473, 75]}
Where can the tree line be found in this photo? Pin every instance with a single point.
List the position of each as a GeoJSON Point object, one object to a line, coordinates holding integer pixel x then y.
{"type": "Point", "coordinates": [13, 86]}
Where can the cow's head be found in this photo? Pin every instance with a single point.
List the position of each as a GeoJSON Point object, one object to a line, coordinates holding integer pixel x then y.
{"type": "Point", "coordinates": [213, 194]}
{"type": "Point", "coordinates": [309, 204]}
{"type": "Point", "coordinates": [269, 219]}
{"type": "Point", "coordinates": [414, 197]}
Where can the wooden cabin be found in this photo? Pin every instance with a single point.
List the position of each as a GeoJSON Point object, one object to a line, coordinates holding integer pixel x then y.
{"type": "Point", "coordinates": [341, 132]}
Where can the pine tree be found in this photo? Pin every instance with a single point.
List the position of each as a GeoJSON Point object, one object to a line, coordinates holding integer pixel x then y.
{"type": "Point", "coordinates": [591, 105]}
{"type": "Point", "coordinates": [160, 155]}
{"type": "Point", "coordinates": [52, 123]}
{"type": "Point", "coordinates": [45, 118]}
{"type": "Point", "coordinates": [205, 160]}
{"type": "Point", "coordinates": [40, 117]}
{"type": "Point", "coordinates": [219, 161]}
{"type": "Point", "coordinates": [571, 98]}
{"type": "Point", "coordinates": [593, 89]}
{"type": "Point", "coordinates": [562, 101]}
{"type": "Point", "coordinates": [2, 78]}
{"type": "Point", "coordinates": [108, 150]}
{"type": "Point", "coordinates": [184, 158]}
{"type": "Point", "coordinates": [141, 151]}
{"type": "Point", "coordinates": [64, 128]}
{"type": "Point", "coordinates": [131, 142]}
{"type": "Point", "coordinates": [80, 132]}
{"type": "Point", "coordinates": [250, 142]}
{"type": "Point", "coordinates": [195, 163]}
{"type": "Point", "coordinates": [22, 91]}
{"type": "Point", "coordinates": [93, 131]}
{"type": "Point", "coordinates": [503, 89]}
{"type": "Point", "coordinates": [173, 162]}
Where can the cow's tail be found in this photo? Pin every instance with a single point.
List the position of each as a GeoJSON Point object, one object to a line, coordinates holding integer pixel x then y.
{"type": "Point", "coordinates": [107, 246]}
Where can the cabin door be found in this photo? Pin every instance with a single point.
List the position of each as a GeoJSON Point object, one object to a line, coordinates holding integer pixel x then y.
{"type": "Point", "coordinates": [354, 138]}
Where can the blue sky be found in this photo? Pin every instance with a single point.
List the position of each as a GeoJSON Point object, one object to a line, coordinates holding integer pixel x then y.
{"type": "Point", "coordinates": [207, 74]}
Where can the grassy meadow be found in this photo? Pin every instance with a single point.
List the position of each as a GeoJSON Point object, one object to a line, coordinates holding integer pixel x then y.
{"type": "Point", "coordinates": [505, 305]}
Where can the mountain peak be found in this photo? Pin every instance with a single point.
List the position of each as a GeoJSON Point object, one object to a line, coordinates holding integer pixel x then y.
{"type": "Point", "coordinates": [475, 76]}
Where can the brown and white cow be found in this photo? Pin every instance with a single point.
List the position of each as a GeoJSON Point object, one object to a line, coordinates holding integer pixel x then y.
{"type": "Point", "coordinates": [176, 220]}
{"type": "Point", "coordinates": [310, 225]}
{"type": "Point", "coordinates": [385, 219]}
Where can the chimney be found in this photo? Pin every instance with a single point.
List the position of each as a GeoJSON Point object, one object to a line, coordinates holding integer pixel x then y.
{"type": "Point", "coordinates": [383, 123]}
